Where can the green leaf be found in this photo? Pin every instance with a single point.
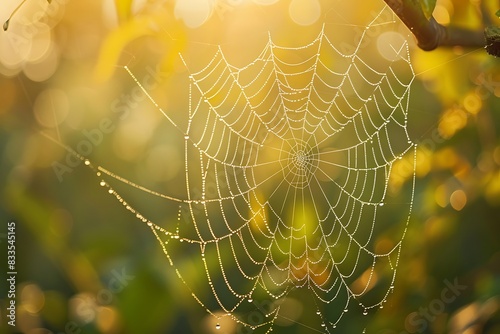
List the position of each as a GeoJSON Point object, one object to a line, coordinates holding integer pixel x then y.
{"type": "Point", "coordinates": [492, 35]}
{"type": "Point", "coordinates": [428, 7]}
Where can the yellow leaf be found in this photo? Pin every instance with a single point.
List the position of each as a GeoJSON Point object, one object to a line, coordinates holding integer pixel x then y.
{"type": "Point", "coordinates": [123, 9]}
{"type": "Point", "coordinates": [156, 24]}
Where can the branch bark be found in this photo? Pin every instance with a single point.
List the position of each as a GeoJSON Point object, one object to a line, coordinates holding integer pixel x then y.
{"type": "Point", "coordinates": [429, 33]}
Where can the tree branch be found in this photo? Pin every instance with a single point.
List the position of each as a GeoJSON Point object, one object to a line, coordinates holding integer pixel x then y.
{"type": "Point", "coordinates": [429, 33]}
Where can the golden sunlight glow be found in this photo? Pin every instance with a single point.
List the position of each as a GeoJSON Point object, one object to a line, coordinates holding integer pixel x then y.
{"type": "Point", "coordinates": [304, 12]}
{"type": "Point", "coordinates": [277, 148]}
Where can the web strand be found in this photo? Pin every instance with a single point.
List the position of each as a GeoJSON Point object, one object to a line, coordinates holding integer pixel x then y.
{"type": "Point", "coordinates": [288, 164]}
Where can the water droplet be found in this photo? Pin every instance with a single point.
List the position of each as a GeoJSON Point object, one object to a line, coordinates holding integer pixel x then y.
{"type": "Point", "coordinates": [250, 300]}
{"type": "Point", "coordinates": [381, 306]}
{"type": "Point", "coordinates": [365, 312]}
{"type": "Point", "coordinates": [186, 137]}
{"type": "Point", "coordinates": [110, 191]}
{"type": "Point", "coordinates": [87, 163]}
{"type": "Point", "coordinates": [318, 312]}
{"type": "Point", "coordinates": [102, 183]}
{"type": "Point", "coordinates": [381, 204]}
{"type": "Point", "coordinates": [217, 326]}
{"type": "Point", "coordinates": [150, 224]}
{"type": "Point", "coordinates": [345, 310]}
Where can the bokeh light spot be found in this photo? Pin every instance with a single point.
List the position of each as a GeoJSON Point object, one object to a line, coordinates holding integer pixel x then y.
{"type": "Point", "coordinates": [472, 103]}
{"type": "Point", "coordinates": [458, 199]}
{"type": "Point", "coordinates": [51, 107]}
{"type": "Point", "coordinates": [43, 69]}
{"type": "Point", "coordinates": [390, 44]}
{"type": "Point", "coordinates": [40, 44]}
{"type": "Point", "coordinates": [32, 298]}
{"type": "Point", "coordinates": [441, 14]}
{"type": "Point", "coordinates": [441, 196]}
{"type": "Point", "coordinates": [193, 12]}
{"type": "Point", "coordinates": [304, 12]}
{"type": "Point", "coordinates": [107, 320]}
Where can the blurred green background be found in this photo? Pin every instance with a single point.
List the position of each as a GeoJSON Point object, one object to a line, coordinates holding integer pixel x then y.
{"type": "Point", "coordinates": [85, 264]}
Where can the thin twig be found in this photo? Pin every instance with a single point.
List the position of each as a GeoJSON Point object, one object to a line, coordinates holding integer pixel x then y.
{"type": "Point", "coordinates": [428, 32]}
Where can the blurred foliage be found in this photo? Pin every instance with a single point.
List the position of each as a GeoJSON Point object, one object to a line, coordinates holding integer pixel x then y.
{"type": "Point", "coordinates": [86, 266]}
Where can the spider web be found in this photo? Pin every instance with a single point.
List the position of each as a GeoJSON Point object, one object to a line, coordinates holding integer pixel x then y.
{"type": "Point", "coordinates": [288, 163]}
